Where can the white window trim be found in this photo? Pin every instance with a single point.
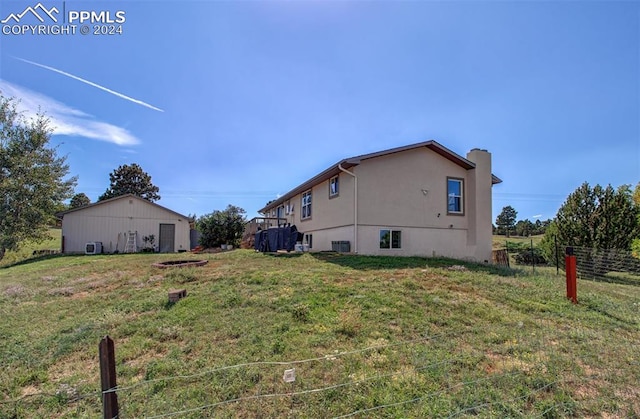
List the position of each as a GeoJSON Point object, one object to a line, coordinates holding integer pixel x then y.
{"type": "Point", "coordinates": [337, 193]}
{"type": "Point", "coordinates": [462, 198]}
{"type": "Point", "coordinates": [302, 205]}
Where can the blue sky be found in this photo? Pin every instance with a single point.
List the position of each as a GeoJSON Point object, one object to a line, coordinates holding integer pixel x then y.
{"type": "Point", "coordinates": [237, 102]}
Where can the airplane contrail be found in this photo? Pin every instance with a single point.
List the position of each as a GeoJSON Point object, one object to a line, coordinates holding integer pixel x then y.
{"type": "Point", "coordinates": [90, 83]}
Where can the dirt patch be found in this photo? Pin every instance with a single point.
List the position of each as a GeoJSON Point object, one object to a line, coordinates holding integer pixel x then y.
{"type": "Point", "coordinates": [501, 363]}
{"type": "Point", "coordinates": [14, 291]}
{"type": "Point", "coordinates": [74, 366]}
{"type": "Point", "coordinates": [63, 292]}
{"type": "Point", "coordinates": [585, 392]}
{"type": "Point", "coordinates": [96, 284]}
{"type": "Point", "coordinates": [155, 278]}
{"type": "Point", "coordinates": [29, 391]}
{"type": "Point", "coordinates": [81, 280]}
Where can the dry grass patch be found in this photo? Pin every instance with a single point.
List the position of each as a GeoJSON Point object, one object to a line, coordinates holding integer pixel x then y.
{"type": "Point", "coordinates": [13, 291]}
{"type": "Point", "coordinates": [61, 292]}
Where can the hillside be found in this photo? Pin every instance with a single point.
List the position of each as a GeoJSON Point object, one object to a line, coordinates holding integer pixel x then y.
{"type": "Point", "coordinates": [28, 248]}
{"type": "Point", "coordinates": [367, 337]}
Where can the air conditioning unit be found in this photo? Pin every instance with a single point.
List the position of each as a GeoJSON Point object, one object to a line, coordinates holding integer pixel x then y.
{"type": "Point", "coordinates": [93, 248]}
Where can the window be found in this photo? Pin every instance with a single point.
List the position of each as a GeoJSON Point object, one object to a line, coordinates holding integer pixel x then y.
{"type": "Point", "coordinates": [390, 239]}
{"type": "Point", "coordinates": [333, 187]}
{"type": "Point", "coordinates": [287, 208]}
{"type": "Point", "coordinates": [306, 205]}
{"type": "Point", "coordinates": [280, 212]}
{"type": "Point", "coordinates": [455, 200]}
{"type": "Point", "coordinates": [308, 239]}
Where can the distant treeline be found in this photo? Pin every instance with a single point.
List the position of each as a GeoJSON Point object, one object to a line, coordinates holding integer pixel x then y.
{"type": "Point", "coordinates": [523, 228]}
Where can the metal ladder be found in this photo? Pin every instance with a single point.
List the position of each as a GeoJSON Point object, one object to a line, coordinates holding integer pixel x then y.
{"type": "Point", "coordinates": [131, 246]}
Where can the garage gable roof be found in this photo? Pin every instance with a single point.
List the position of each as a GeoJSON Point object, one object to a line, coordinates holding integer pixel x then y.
{"type": "Point", "coordinates": [127, 196]}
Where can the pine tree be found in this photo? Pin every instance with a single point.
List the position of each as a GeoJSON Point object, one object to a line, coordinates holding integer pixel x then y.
{"type": "Point", "coordinates": [131, 179]}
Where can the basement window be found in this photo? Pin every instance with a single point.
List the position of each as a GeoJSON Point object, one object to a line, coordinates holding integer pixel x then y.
{"type": "Point", "coordinates": [390, 239]}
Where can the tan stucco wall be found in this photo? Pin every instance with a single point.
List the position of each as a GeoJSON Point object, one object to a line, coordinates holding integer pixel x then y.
{"type": "Point", "coordinates": [108, 222]}
{"type": "Point", "coordinates": [390, 190]}
{"type": "Point", "coordinates": [406, 191]}
{"type": "Point", "coordinates": [326, 212]}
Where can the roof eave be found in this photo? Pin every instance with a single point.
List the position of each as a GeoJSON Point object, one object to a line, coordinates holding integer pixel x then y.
{"type": "Point", "coordinates": [354, 161]}
{"type": "Point", "coordinates": [321, 177]}
{"type": "Point", "coordinates": [61, 214]}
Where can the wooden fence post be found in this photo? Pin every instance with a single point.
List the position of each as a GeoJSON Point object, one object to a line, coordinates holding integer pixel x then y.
{"type": "Point", "coordinates": [108, 378]}
{"type": "Point", "coordinates": [570, 269]}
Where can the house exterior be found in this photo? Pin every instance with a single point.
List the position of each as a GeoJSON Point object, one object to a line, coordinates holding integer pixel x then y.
{"type": "Point", "coordinates": [113, 220]}
{"type": "Point", "coordinates": [421, 199]}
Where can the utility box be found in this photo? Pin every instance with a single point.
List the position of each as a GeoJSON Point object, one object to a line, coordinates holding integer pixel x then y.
{"type": "Point", "coordinates": [341, 246]}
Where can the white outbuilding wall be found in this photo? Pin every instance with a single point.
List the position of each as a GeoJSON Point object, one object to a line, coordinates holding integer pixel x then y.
{"type": "Point", "coordinates": [109, 221]}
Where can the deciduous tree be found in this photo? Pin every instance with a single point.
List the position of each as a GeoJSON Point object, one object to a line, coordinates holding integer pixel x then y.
{"type": "Point", "coordinates": [222, 227]}
{"type": "Point", "coordinates": [33, 178]}
{"type": "Point", "coordinates": [524, 228]}
{"type": "Point", "coordinates": [131, 179]}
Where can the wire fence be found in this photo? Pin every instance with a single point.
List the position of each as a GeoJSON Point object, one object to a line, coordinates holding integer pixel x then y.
{"type": "Point", "coordinates": [608, 265]}
{"type": "Point", "coordinates": [533, 368]}
{"type": "Point", "coordinates": [603, 265]}
{"type": "Point", "coordinates": [509, 370]}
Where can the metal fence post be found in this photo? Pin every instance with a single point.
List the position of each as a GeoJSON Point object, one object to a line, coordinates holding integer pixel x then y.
{"type": "Point", "coordinates": [533, 258]}
{"type": "Point", "coordinates": [506, 245]}
{"type": "Point", "coordinates": [107, 353]}
{"type": "Point", "coordinates": [570, 269]}
{"type": "Point", "coordinates": [555, 241]}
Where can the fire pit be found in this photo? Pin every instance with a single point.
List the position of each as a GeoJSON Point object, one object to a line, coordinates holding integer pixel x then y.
{"type": "Point", "coordinates": [179, 263]}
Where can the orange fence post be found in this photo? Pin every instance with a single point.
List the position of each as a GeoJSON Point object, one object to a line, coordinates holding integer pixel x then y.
{"type": "Point", "coordinates": [570, 269]}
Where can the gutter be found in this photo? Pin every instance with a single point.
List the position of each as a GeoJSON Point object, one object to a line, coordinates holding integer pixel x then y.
{"type": "Point", "coordinates": [355, 206]}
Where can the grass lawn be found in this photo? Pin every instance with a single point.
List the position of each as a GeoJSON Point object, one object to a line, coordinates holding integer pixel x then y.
{"type": "Point", "coordinates": [367, 337]}
{"type": "Point", "coordinates": [500, 242]}
{"type": "Point", "coordinates": [27, 249]}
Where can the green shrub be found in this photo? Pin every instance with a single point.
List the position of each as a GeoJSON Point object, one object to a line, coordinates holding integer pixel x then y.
{"type": "Point", "coordinates": [526, 257]}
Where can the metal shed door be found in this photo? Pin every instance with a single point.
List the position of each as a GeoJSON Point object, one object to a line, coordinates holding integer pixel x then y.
{"type": "Point", "coordinates": [167, 238]}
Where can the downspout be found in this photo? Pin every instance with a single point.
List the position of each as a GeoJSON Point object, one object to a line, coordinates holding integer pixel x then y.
{"type": "Point", "coordinates": [355, 206]}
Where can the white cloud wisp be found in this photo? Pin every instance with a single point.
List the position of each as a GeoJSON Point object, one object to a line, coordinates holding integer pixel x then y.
{"type": "Point", "coordinates": [66, 120]}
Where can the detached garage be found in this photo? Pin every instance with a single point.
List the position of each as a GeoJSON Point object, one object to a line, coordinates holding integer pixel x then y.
{"type": "Point", "coordinates": [120, 224]}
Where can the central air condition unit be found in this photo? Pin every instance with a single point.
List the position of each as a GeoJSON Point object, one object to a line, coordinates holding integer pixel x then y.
{"type": "Point", "coordinates": [93, 248]}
